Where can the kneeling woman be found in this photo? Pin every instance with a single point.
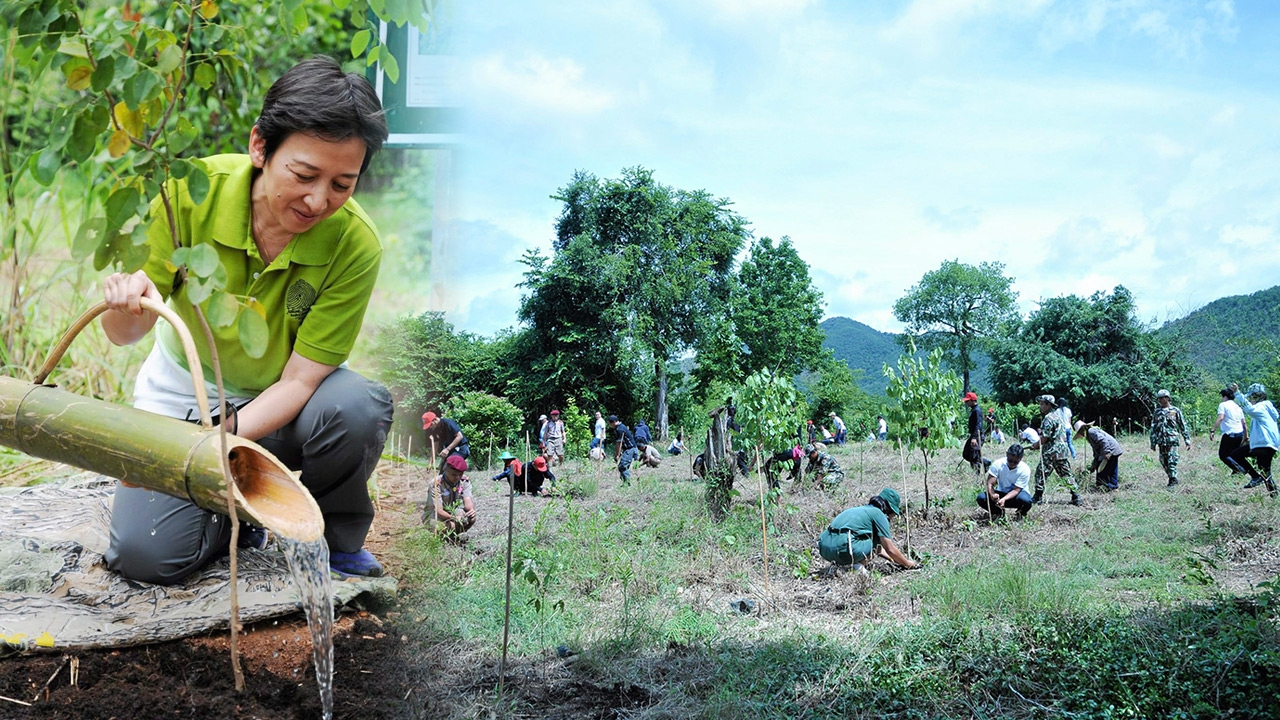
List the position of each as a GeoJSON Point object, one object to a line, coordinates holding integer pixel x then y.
{"type": "Point", "coordinates": [858, 532]}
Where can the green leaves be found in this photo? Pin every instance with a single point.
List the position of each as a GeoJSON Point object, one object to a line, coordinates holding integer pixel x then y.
{"type": "Point", "coordinates": [928, 398]}
{"type": "Point", "coordinates": [253, 329]}
{"type": "Point", "coordinates": [205, 75]}
{"type": "Point", "coordinates": [120, 206]}
{"type": "Point", "coordinates": [45, 165]}
{"type": "Point", "coordinates": [197, 182]}
{"type": "Point", "coordinates": [169, 59]}
{"type": "Point", "coordinates": [141, 88]}
{"type": "Point", "coordinates": [767, 411]}
{"type": "Point", "coordinates": [360, 42]}
{"type": "Point", "coordinates": [103, 74]}
{"type": "Point", "coordinates": [88, 237]}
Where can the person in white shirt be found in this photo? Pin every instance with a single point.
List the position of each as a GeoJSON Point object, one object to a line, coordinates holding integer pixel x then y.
{"type": "Point", "coordinates": [1230, 423]}
{"type": "Point", "coordinates": [1007, 482]}
{"type": "Point", "coordinates": [597, 439]}
{"type": "Point", "coordinates": [1028, 436]}
{"type": "Point", "coordinates": [997, 437]}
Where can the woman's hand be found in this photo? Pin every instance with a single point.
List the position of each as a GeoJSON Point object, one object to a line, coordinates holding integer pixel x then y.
{"type": "Point", "coordinates": [125, 323]}
{"type": "Point", "coordinates": [123, 291]}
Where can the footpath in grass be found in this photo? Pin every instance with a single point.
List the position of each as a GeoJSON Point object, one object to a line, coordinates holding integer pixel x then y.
{"type": "Point", "coordinates": [626, 601]}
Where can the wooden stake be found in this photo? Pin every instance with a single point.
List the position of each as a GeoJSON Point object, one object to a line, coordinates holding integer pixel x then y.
{"type": "Point", "coordinates": [506, 611]}
{"type": "Point", "coordinates": [906, 510]}
{"type": "Point", "coordinates": [764, 533]}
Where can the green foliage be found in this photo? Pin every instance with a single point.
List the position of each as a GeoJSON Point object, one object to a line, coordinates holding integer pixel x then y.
{"type": "Point", "coordinates": [767, 411]}
{"type": "Point", "coordinates": [776, 310]}
{"type": "Point", "coordinates": [577, 429]}
{"type": "Point", "coordinates": [957, 308]}
{"type": "Point", "coordinates": [637, 264]}
{"type": "Point", "coordinates": [487, 421]}
{"type": "Point", "coordinates": [1013, 664]}
{"type": "Point", "coordinates": [425, 362]}
{"type": "Point", "coordinates": [1231, 338]}
{"type": "Point", "coordinates": [925, 396]}
{"type": "Point", "coordinates": [1093, 350]}
{"type": "Point", "coordinates": [115, 101]}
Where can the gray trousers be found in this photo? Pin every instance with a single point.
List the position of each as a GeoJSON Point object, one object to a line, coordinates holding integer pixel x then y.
{"type": "Point", "coordinates": [335, 441]}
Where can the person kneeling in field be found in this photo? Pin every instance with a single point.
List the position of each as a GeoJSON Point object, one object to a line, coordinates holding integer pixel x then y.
{"type": "Point", "coordinates": [650, 456]}
{"type": "Point", "coordinates": [455, 511]}
{"type": "Point", "coordinates": [855, 534]}
{"type": "Point", "coordinates": [1007, 482]}
{"type": "Point", "coordinates": [512, 471]}
{"type": "Point", "coordinates": [823, 467]}
{"type": "Point", "coordinates": [538, 472]}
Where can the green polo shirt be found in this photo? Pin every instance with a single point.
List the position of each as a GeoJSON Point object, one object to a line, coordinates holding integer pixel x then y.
{"type": "Point", "coordinates": [315, 292]}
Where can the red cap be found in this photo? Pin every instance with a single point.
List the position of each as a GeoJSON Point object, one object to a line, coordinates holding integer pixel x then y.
{"type": "Point", "coordinates": [540, 464]}
{"type": "Point", "coordinates": [457, 462]}
{"type": "Point", "coordinates": [555, 412]}
{"type": "Point", "coordinates": [970, 396]}
{"type": "Point", "coordinates": [427, 419]}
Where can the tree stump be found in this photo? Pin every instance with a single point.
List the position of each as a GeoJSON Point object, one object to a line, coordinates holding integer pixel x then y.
{"type": "Point", "coordinates": [717, 463]}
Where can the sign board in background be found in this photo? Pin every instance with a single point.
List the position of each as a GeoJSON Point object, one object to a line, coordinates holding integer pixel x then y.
{"type": "Point", "coordinates": [421, 107]}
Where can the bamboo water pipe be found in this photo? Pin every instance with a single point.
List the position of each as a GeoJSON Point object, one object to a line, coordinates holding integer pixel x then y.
{"type": "Point", "coordinates": [153, 451]}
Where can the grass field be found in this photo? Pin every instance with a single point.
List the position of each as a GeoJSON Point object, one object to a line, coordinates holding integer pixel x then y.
{"type": "Point", "coordinates": [1142, 603]}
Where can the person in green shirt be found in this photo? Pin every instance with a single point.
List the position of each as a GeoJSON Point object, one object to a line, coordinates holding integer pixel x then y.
{"type": "Point", "coordinates": [294, 244]}
{"type": "Point", "coordinates": [859, 532]}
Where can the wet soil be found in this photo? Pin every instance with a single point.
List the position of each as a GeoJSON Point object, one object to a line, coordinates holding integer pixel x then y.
{"type": "Point", "coordinates": [374, 669]}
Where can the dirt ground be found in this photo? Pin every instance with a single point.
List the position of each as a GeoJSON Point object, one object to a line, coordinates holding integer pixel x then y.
{"type": "Point", "coordinates": [192, 678]}
{"type": "Point", "coordinates": [379, 673]}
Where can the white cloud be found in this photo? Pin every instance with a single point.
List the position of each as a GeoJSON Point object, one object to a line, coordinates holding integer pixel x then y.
{"type": "Point", "coordinates": [1248, 237]}
{"type": "Point", "coordinates": [756, 10]}
{"type": "Point", "coordinates": [555, 86]}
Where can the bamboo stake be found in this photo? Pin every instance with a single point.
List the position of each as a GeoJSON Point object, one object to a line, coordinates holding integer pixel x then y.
{"type": "Point", "coordinates": [234, 551]}
{"type": "Point", "coordinates": [906, 510]}
{"type": "Point", "coordinates": [489, 460]}
{"type": "Point", "coordinates": [434, 467]}
{"type": "Point", "coordinates": [506, 611]}
{"type": "Point", "coordinates": [764, 532]}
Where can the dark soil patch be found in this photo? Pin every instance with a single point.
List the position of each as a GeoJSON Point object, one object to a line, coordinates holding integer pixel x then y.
{"type": "Point", "coordinates": [192, 678]}
{"type": "Point", "coordinates": [375, 672]}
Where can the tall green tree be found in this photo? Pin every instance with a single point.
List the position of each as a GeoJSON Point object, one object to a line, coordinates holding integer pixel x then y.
{"type": "Point", "coordinates": [1093, 350]}
{"type": "Point", "coordinates": [638, 266]}
{"type": "Point", "coordinates": [776, 310]}
{"type": "Point", "coordinates": [957, 308]}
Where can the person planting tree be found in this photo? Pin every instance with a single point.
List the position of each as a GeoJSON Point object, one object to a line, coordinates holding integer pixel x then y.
{"type": "Point", "coordinates": [858, 533]}
{"type": "Point", "coordinates": [288, 235]}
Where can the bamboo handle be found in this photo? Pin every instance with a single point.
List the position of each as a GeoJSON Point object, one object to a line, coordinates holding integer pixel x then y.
{"type": "Point", "coordinates": [159, 308]}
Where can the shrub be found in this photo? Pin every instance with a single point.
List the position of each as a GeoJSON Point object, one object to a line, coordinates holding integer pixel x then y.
{"type": "Point", "coordinates": [490, 423]}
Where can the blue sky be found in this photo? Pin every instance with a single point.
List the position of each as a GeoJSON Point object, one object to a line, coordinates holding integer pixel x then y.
{"type": "Point", "coordinates": [1084, 144]}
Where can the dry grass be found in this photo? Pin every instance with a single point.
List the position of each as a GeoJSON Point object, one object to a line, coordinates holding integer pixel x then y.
{"type": "Point", "coordinates": [649, 583]}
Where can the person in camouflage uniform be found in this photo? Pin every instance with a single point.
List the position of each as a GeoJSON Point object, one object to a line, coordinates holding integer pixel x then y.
{"type": "Point", "coordinates": [1167, 427]}
{"type": "Point", "coordinates": [824, 467]}
{"type": "Point", "coordinates": [1053, 450]}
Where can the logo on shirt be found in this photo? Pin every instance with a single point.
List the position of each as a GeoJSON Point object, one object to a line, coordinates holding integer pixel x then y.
{"type": "Point", "coordinates": [299, 299]}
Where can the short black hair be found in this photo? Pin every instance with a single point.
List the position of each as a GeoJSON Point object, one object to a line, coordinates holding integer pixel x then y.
{"type": "Point", "coordinates": [317, 97]}
{"type": "Point", "coordinates": [1015, 450]}
{"type": "Point", "coordinates": [1226, 393]}
{"type": "Point", "coordinates": [879, 503]}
